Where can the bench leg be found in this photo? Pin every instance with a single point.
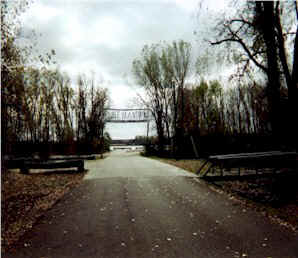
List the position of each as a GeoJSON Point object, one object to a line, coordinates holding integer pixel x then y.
{"type": "Point", "coordinates": [81, 167]}
{"type": "Point", "coordinates": [199, 170]}
{"type": "Point", "coordinates": [24, 170]}
{"type": "Point", "coordinates": [208, 170]}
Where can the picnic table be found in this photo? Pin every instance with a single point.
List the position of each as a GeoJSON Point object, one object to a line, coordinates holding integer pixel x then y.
{"type": "Point", "coordinates": [51, 164]}
{"type": "Point", "coordinates": [256, 160]}
{"type": "Point", "coordinates": [19, 162]}
{"type": "Point", "coordinates": [25, 164]}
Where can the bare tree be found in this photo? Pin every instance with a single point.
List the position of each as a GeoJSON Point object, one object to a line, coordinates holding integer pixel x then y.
{"type": "Point", "coordinates": [162, 70]}
{"type": "Point", "coordinates": [263, 32]}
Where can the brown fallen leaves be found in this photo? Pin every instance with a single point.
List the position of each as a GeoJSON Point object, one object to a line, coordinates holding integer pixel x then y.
{"type": "Point", "coordinates": [277, 194]}
{"type": "Point", "coordinates": [24, 198]}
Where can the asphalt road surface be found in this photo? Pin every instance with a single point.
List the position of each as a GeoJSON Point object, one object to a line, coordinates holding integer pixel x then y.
{"type": "Point", "coordinates": [130, 206]}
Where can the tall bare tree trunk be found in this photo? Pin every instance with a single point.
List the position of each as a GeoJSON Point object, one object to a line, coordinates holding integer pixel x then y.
{"type": "Point", "coordinates": [267, 20]}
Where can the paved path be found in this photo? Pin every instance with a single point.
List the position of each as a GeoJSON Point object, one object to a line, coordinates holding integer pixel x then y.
{"type": "Point", "coordinates": [130, 206]}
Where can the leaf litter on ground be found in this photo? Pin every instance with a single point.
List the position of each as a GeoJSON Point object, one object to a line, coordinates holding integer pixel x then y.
{"type": "Point", "coordinates": [25, 198]}
{"type": "Point", "coordinates": [276, 194]}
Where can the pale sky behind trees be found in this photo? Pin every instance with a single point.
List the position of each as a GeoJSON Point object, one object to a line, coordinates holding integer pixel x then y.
{"type": "Point", "coordinates": [105, 36]}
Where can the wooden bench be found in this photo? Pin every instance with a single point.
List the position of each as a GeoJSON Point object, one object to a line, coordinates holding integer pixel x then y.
{"type": "Point", "coordinates": [19, 162]}
{"type": "Point", "coordinates": [256, 160]}
{"type": "Point", "coordinates": [51, 164]}
{"type": "Point", "coordinates": [73, 157]}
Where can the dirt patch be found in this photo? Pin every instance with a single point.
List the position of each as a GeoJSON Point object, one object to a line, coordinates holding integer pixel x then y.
{"type": "Point", "coordinates": [25, 198]}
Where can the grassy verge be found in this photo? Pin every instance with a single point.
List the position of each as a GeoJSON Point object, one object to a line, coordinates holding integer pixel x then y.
{"type": "Point", "coordinates": [273, 195]}
{"type": "Point", "coordinates": [25, 198]}
{"type": "Point", "coordinates": [190, 165]}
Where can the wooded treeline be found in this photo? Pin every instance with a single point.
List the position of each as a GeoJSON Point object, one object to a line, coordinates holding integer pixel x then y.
{"type": "Point", "coordinates": [204, 110]}
{"type": "Point", "coordinates": [259, 100]}
{"type": "Point", "coordinates": [41, 109]}
{"type": "Point", "coordinates": [48, 110]}
{"type": "Point", "coordinates": [266, 36]}
{"type": "Point", "coordinates": [39, 105]}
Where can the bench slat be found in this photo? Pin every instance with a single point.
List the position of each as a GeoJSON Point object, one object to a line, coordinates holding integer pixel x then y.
{"type": "Point", "coordinates": [52, 165]}
{"type": "Point", "coordinates": [246, 154]}
{"type": "Point", "coordinates": [253, 156]}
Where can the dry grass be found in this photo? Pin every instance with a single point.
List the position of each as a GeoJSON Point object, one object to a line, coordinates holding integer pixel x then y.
{"type": "Point", "coordinates": [25, 198]}
{"type": "Point", "coordinates": [190, 165]}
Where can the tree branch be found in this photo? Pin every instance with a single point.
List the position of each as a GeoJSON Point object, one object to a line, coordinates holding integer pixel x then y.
{"type": "Point", "coordinates": [242, 21]}
{"type": "Point", "coordinates": [250, 55]}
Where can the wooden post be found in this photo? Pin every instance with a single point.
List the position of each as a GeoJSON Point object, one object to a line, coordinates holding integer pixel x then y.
{"type": "Point", "coordinates": [103, 144]}
{"type": "Point", "coordinates": [194, 147]}
{"type": "Point", "coordinates": [147, 129]}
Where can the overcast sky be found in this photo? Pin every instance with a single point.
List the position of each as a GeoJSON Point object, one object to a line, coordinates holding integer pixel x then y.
{"type": "Point", "coordinates": [106, 36]}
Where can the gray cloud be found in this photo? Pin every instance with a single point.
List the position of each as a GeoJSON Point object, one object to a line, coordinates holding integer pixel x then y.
{"type": "Point", "coordinates": [106, 36]}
